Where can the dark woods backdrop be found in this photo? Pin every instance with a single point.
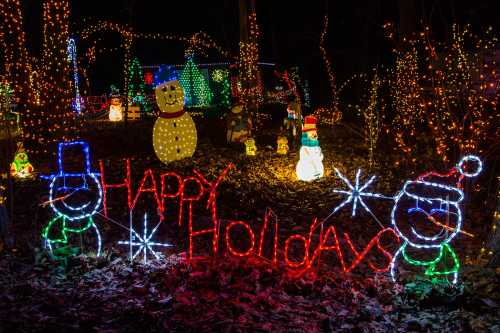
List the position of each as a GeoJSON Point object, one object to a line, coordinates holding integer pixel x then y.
{"type": "Point", "coordinates": [290, 31]}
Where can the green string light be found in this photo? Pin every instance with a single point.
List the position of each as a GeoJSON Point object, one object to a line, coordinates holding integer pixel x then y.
{"type": "Point", "coordinates": [63, 239]}
{"type": "Point", "coordinates": [196, 89]}
{"type": "Point", "coordinates": [431, 270]}
{"type": "Point", "coordinates": [136, 90]}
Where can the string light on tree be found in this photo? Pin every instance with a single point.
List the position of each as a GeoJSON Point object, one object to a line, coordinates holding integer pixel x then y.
{"type": "Point", "coordinates": [444, 89]}
{"type": "Point", "coordinates": [333, 113]}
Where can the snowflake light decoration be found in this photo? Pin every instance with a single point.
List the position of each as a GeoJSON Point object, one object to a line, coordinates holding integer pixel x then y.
{"type": "Point", "coordinates": [356, 193]}
{"type": "Point", "coordinates": [144, 242]}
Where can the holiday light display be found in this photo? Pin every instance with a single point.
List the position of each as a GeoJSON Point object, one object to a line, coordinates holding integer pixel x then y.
{"type": "Point", "coordinates": [332, 113]}
{"type": "Point", "coordinates": [196, 89]}
{"type": "Point", "coordinates": [21, 166]}
{"type": "Point", "coordinates": [282, 145]}
{"type": "Point", "coordinates": [250, 147]}
{"type": "Point", "coordinates": [174, 133]}
{"type": "Point", "coordinates": [356, 192]}
{"type": "Point", "coordinates": [16, 60]}
{"type": "Point", "coordinates": [136, 92]}
{"type": "Point", "coordinates": [425, 94]}
{"type": "Point", "coordinates": [74, 197]}
{"type": "Point", "coordinates": [221, 77]}
{"type": "Point", "coordinates": [5, 99]}
{"type": "Point", "coordinates": [422, 203]}
{"type": "Point", "coordinates": [310, 165]}
{"type": "Point", "coordinates": [47, 116]}
{"type": "Point", "coordinates": [143, 242]}
{"type": "Point", "coordinates": [373, 119]}
{"type": "Point", "coordinates": [71, 50]}
{"type": "Point", "coordinates": [251, 90]}
{"type": "Point", "coordinates": [201, 188]}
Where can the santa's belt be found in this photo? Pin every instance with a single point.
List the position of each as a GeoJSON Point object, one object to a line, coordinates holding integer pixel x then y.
{"type": "Point", "coordinates": [168, 115]}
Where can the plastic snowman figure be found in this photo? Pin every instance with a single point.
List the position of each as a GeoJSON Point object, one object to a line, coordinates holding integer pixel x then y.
{"type": "Point", "coordinates": [310, 165]}
{"type": "Point", "coordinates": [174, 133]}
{"type": "Point", "coordinates": [426, 216]}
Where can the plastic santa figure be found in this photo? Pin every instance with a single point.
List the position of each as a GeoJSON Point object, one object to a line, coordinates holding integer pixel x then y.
{"type": "Point", "coordinates": [310, 165]}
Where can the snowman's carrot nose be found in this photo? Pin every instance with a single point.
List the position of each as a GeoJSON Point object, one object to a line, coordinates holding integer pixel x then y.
{"type": "Point", "coordinates": [45, 203]}
{"type": "Point", "coordinates": [447, 227]}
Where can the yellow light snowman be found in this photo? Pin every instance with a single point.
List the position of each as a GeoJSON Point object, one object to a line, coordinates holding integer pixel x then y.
{"type": "Point", "coordinates": [174, 133]}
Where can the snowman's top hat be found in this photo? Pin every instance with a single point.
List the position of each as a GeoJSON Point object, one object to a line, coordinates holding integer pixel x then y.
{"type": "Point", "coordinates": [309, 124]}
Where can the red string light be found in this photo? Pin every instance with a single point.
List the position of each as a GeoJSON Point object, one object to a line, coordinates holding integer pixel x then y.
{"type": "Point", "coordinates": [269, 214]}
{"type": "Point", "coordinates": [152, 188]}
{"type": "Point", "coordinates": [250, 233]}
{"type": "Point", "coordinates": [360, 256]}
{"type": "Point", "coordinates": [306, 252]}
{"type": "Point", "coordinates": [126, 183]}
{"type": "Point", "coordinates": [164, 195]}
{"type": "Point", "coordinates": [328, 240]}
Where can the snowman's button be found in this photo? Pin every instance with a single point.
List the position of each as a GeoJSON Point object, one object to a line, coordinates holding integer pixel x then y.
{"type": "Point", "coordinates": [178, 150]}
{"type": "Point", "coordinates": [176, 138]}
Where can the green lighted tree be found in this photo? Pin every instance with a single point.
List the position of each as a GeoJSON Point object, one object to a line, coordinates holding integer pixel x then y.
{"type": "Point", "coordinates": [136, 93]}
{"type": "Point", "coordinates": [196, 89]}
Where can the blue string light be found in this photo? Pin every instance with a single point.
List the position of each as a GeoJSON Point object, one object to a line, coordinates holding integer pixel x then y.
{"type": "Point", "coordinates": [65, 211]}
{"type": "Point", "coordinates": [71, 50]}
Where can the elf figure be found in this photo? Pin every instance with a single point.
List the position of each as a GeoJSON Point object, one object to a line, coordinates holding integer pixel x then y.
{"type": "Point", "coordinates": [292, 122]}
{"type": "Point", "coordinates": [426, 216]}
{"type": "Point", "coordinates": [310, 165]}
{"type": "Point", "coordinates": [21, 166]}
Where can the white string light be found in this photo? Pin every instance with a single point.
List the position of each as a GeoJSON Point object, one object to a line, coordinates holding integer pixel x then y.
{"type": "Point", "coordinates": [144, 242]}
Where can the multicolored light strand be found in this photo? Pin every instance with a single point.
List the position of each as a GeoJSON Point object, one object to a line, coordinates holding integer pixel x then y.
{"type": "Point", "coordinates": [429, 198]}
{"type": "Point", "coordinates": [67, 211]}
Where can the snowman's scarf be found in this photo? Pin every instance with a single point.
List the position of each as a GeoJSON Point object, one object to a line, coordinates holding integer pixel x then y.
{"type": "Point", "coordinates": [169, 115]}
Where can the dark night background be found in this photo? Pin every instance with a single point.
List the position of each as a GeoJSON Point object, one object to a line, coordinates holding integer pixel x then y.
{"type": "Point", "coordinates": [290, 31]}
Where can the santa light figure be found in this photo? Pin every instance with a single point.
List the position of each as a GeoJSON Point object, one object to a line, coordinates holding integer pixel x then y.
{"type": "Point", "coordinates": [310, 165]}
{"type": "Point", "coordinates": [427, 215]}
